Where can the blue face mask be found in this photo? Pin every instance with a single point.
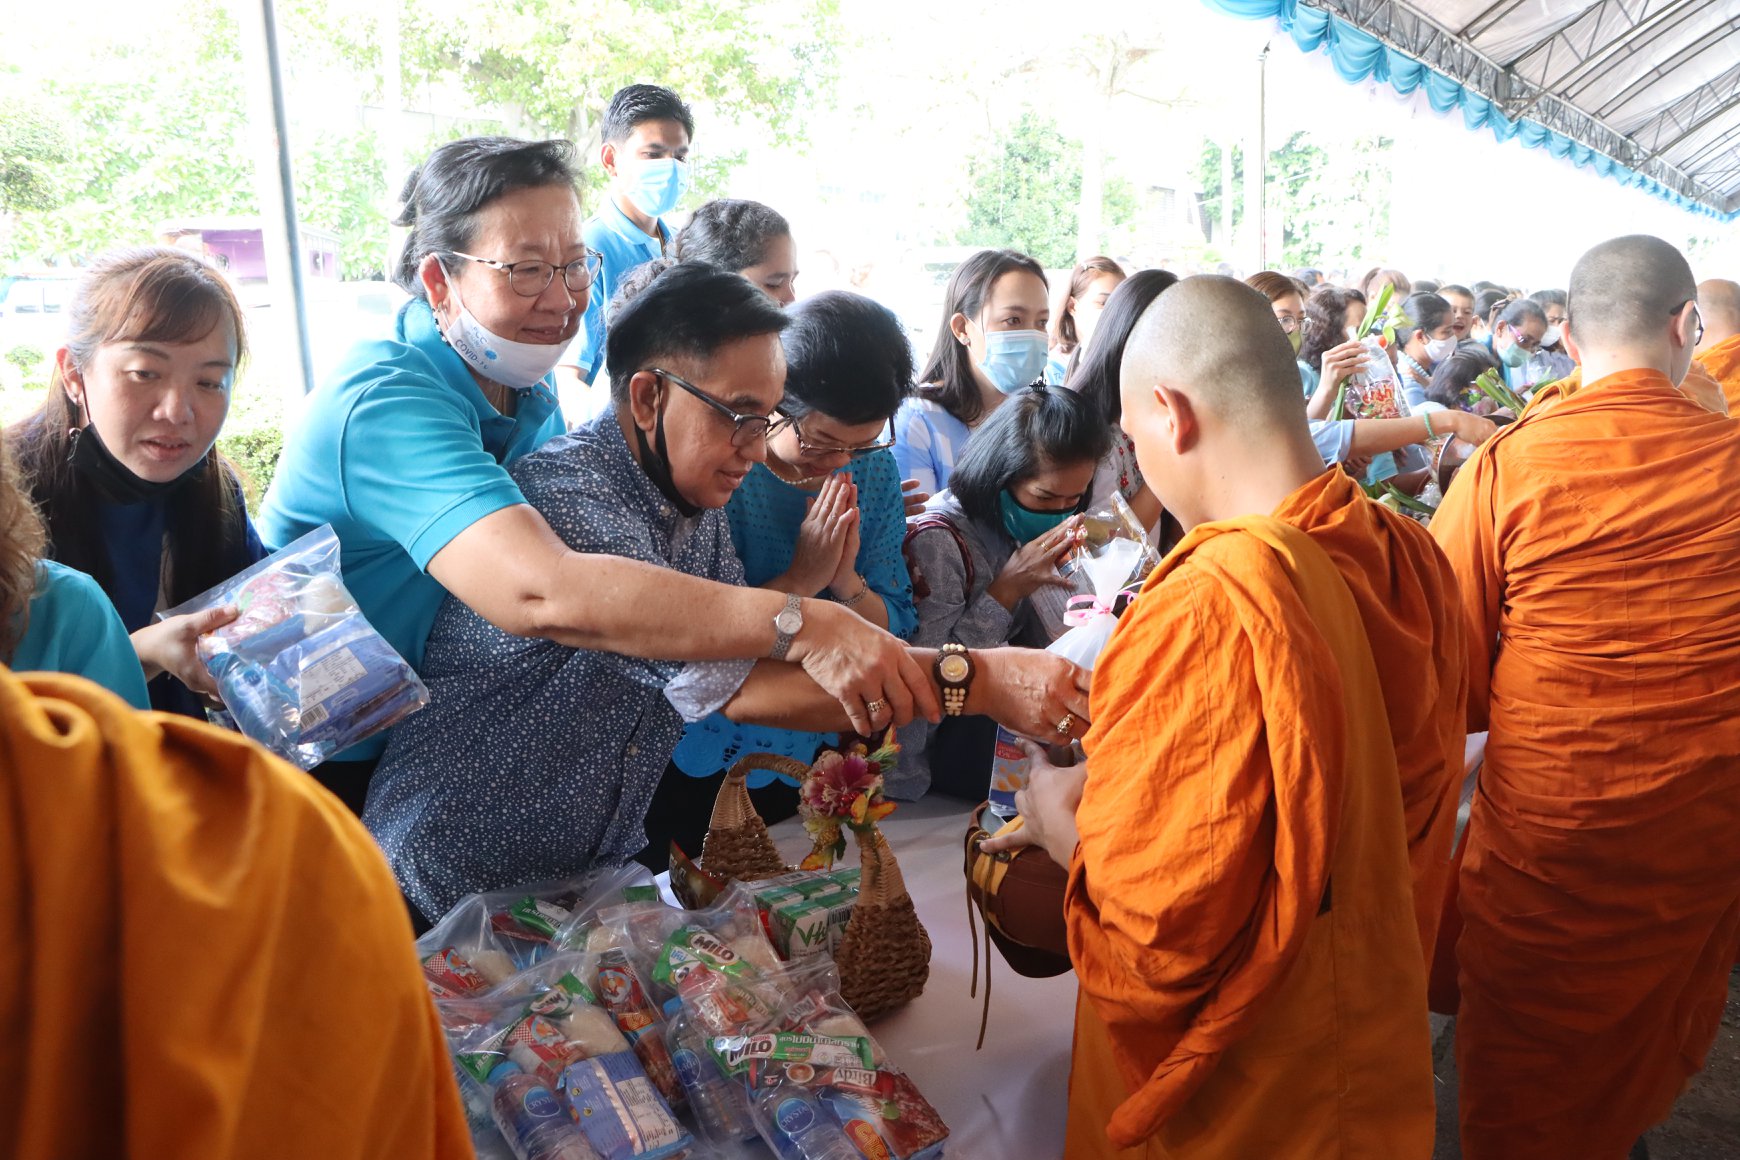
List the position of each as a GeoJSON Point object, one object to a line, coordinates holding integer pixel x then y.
{"type": "Point", "coordinates": [1513, 355]}
{"type": "Point", "coordinates": [1014, 358]}
{"type": "Point", "coordinates": [1023, 524]}
{"type": "Point", "coordinates": [659, 185]}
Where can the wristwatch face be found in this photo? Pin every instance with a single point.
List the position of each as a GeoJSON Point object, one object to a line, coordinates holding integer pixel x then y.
{"type": "Point", "coordinates": [954, 668]}
{"type": "Point", "coordinates": [789, 621]}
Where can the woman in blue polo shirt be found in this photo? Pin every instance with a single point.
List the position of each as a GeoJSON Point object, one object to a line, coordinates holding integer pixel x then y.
{"type": "Point", "coordinates": [53, 619]}
{"type": "Point", "coordinates": [793, 523]}
{"type": "Point", "coordinates": [404, 452]}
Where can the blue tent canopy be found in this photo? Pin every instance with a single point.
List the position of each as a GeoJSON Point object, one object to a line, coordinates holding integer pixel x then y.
{"type": "Point", "coordinates": [1646, 92]}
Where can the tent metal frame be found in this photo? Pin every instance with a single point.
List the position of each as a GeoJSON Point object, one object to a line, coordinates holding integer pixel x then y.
{"type": "Point", "coordinates": [1542, 81]}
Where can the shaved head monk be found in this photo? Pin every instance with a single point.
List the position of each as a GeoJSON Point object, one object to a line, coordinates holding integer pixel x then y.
{"type": "Point", "coordinates": [1719, 353]}
{"type": "Point", "coordinates": [1241, 903]}
{"type": "Point", "coordinates": [1595, 542]}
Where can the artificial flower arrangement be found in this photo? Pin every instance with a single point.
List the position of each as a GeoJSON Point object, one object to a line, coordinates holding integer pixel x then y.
{"type": "Point", "coordinates": [844, 790]}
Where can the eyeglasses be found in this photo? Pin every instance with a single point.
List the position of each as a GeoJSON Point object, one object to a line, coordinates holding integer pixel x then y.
{"type": "Point", "coordinates": [818, 450]}
{"type": "Point", "coordinates": [1692, 302]}
{"type": "Point", "coordinates": [1289, 322]}
{"type": "Point", "coordinates": [746, 430]}
{"type": "Point", "coordinates": [530, 279]}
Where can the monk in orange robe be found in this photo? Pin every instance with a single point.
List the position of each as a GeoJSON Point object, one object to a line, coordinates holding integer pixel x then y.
{"type": "Point", "coordinates": [1241, 907]}
{"type": "Point", "coordinates": [1595, 542]}
{"type": "Point", "coordinates": [1719, 353]}
{"type": "Point", "coordinates": [202, 954]}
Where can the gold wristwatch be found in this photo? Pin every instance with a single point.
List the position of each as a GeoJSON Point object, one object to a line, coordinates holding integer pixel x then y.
{"type": "Point", "coordinates": [954, 672]}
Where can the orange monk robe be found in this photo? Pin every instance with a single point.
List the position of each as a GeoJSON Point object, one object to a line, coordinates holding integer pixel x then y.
{"type": "Point", "coordinates": [1698, 386]}
{"type": "Point", "coordinates": [1722, 363]}
{"type": "Point", "coordinates": [203, 954]}
{"type": "Point", "coordinates": [1600, 891]}
{"type": "Point", "coordinates": [1406, 594]}
{"type": "Point", "coordinates": [1240, 913]}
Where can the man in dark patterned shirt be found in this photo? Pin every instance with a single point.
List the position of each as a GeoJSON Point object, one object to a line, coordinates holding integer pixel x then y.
{"type": "Point", "coordinates": [535, 760]}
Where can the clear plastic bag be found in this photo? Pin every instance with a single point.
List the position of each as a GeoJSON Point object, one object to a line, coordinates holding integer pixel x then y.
{"type": "Point", "coordinates": [301, 670]}
{"type": "Point", "coordinates": [718, 961]}
{"type": "Point", "coordinates": [818, 1084]}
{"type": "Point", "coordinates": [546, 1030]}
{"type": "Point", "coordinates": [486, 938]}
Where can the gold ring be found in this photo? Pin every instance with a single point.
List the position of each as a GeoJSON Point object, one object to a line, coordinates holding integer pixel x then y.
{"type": "Point", "coordinates": [875, 707]}
{"type": "Point", "coordinates": [1065, 725]}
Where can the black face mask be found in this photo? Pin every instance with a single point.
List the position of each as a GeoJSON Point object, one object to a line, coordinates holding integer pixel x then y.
{"type": "Point", "coordinates": [658, 467]}
{"type": "Point", "coordinates": [111, 478]}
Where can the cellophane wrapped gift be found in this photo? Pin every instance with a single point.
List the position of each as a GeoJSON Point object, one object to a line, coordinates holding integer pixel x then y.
{"type": "Point", "coordinates": [1113, 558]}
{"type": "Point", "coordinates": [301, 670]}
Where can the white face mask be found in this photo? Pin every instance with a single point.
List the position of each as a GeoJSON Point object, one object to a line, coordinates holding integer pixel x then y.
{"type": "Point", "coordinates": [520, 365]}
{"type": "Point", "coordinates": [1439, 349]}
{"type": "Point", "coordinates": [1550, 337]}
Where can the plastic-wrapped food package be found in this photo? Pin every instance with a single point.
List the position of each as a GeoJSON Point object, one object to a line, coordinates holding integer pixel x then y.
{"type": "Point", "coordinates": [718, 961]}
{"type": "Point", "coordinates": [545, 1037]}
{"type": "Point", "coordinates": [719, 1105]}
{"type": "Point", "coordinates": [821, 1084]}
{"type": "Point", "coordinates": [488, 937]}
{"type": "Point", "coordinates": [300, 670]}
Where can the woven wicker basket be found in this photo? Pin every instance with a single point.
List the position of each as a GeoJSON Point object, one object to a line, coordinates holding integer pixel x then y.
{"type": "Point", "coordinates": [884, 956]}
{"type": "Point", "coordinates": [738, 847]}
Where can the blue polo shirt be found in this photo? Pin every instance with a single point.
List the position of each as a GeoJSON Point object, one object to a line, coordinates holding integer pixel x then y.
{"type": "Point", "coordinates": [623, 246]}
{"type": "Point", "coordinates": [400, 452]}
{"type": "Point", "coordinates": [74, 629]}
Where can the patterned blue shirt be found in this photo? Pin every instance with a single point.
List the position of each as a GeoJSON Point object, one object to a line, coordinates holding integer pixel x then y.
{"type": "Point", "coordinates": [534, 760]}
{"type": "Point", "coordinates": [765, 515]}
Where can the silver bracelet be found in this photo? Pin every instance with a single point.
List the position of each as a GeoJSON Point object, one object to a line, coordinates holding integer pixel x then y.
{"type": "Point", "coordinates": [855, 601]}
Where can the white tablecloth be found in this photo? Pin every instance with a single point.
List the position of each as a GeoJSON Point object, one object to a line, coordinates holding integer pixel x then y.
{"type": "Point", "coordinates": [1008, 1101]}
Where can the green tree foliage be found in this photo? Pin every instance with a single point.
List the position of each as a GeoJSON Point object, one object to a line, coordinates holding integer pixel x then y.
{"type": "Point", "coordinates": [32, 147]}
{"type": "Point", "coordinates": [1332, 201]}
{"type": "Point", "coordinates": [555, 63]}
{"type": "Point", "coordinates": [1024, 192]}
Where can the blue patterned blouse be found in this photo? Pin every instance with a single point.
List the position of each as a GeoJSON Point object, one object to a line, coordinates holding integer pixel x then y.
{"type": "Point", "coordinates": [765, 515]}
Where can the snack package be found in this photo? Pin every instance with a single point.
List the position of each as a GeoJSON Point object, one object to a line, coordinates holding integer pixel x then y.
{"type": "Point", "coordinates": [622, 1114]}
{"type": "Point", "coordinates": [300, 670]}
{"type": "Point", "coordinates": [486, 938]}
{"type": "Point", "coordinates": [820, 1079]}
{"type": "Point", "coordinates": [624, 995]}
{"type": "Point", "coordinates": [718, 961]}
{"type": "Point", "coordinates": [543, 1031]}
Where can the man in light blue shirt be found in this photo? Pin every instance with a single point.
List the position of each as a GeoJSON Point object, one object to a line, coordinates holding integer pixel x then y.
{"type": "Point", "coordinates": [646, 131]}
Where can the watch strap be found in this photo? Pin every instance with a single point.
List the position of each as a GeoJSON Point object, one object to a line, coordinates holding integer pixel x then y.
{"type": "Point", "coordinates": [782, 639]}
{"type": "Point", "coordinates": [954, 693]}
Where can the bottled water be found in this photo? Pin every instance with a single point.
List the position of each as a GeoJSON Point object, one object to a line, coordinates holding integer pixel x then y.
{"type": "Point", "coordinates": [802, 1128]}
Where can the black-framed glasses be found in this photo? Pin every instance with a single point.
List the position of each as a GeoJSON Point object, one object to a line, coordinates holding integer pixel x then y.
{"type": "Point", "coordinates": [746, 430]}
{"type": "Point", "coordinates": [530, 279]}
{"type": "Point", "coordinates": [1693, 303]}
{"type": "Point", "coordinates": [818, 450]}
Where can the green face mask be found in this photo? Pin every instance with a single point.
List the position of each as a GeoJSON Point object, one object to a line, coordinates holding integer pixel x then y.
{"type": "Point", "coordinates": [1023, 524]}
{"type": "Point", "coordinates": [1297, 338]}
